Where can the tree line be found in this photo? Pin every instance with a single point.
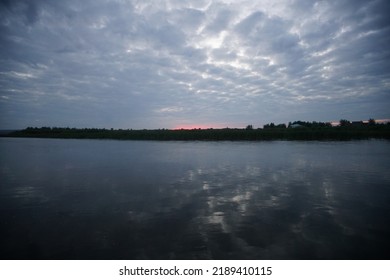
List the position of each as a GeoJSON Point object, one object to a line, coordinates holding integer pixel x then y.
{"type": "Point", "coordinates": [298, 130]}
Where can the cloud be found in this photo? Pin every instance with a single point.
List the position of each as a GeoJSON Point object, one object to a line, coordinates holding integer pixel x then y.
{"type": "Point", "coordinates": [141, 64]}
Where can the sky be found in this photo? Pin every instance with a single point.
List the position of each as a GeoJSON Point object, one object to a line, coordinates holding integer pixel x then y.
{"type": "Point", "coordinates": [176, 63]}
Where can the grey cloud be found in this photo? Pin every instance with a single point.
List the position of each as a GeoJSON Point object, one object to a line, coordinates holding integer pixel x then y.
{"type": "Point", "coordinates": [154, 64]}
{"type": "Point", "coordinates": [187, 19]}
{"type": "Point", "coordinates": [221, 18]}
{"type": "Point", "coordinates": [168, 36]}
{"type": "Point", "coordinates": [247, 25]}
{"type": "Point", "coordinates": [26, 10]}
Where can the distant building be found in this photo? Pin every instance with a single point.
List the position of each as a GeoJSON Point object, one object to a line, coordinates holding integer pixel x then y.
{"type": "Point", "coordinates": [296, 125]}
{"type": "Point", "coordinates": [357, 123]}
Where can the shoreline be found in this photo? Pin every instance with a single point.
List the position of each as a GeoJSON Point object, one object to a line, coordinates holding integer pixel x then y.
{"type": "Point", "coordinates": [225, 134]}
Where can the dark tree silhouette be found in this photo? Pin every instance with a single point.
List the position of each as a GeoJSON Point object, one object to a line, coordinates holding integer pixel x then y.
{"type": "Point", "coordinates": [344, 122]}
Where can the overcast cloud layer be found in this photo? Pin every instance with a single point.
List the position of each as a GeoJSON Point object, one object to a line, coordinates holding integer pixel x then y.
{"type": "Point", "coordinates": [175, 63]}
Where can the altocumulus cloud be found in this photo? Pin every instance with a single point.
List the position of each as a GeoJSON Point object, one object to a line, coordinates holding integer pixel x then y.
{"type": "Point", "coordinates": [165, 64]}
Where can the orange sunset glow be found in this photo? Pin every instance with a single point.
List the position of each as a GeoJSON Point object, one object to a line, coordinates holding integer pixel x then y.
{"type": "Point", "coordinates": [196, 126]}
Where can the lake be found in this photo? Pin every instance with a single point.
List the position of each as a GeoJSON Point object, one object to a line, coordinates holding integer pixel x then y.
{"type": "Point", "coordinates": [106, 199]}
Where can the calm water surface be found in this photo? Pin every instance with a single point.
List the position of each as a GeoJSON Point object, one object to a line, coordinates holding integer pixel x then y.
{"type": "Point", "coordinates": [96, 199]}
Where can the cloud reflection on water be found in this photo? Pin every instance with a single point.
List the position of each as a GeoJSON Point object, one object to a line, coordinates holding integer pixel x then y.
{"type": "Point", "coordinates": [297, 211]}
{"type": "Point", "coordinates": [198, 200]}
